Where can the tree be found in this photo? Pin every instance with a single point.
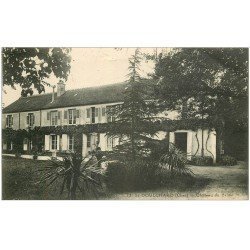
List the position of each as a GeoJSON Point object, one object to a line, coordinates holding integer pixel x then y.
{"type": "Point", "coordinates": [31, 67]}
{"type": "Point", "coordinates": [134, 117]}
{"type": "Point", "coordinates": [205, 83]}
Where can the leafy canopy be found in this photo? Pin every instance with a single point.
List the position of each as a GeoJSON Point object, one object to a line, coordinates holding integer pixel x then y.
{"type": "Point", "coordinates": [204, 82]}
{"type": "Point", "coordinates": [30, 67]}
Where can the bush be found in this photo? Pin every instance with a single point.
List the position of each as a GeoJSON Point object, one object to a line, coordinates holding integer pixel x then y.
{"type": "Point", "coordinates": [132, 176]}
{"type": "Point", "coordinates": [116, 176]}
{"type": "Point", "coordinates": [142, 174]}
{"type": "Point", "coordinates": [202, 161]}
{"type": "Point", "coordinates": [175, 160]}
{"type": "Point", "coordinates": [227, 160]}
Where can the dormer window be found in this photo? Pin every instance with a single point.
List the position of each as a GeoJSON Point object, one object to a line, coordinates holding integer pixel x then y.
{"type": "Point", "coordinates": [9, 121]}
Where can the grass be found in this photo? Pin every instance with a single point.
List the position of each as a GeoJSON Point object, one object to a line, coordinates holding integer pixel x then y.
{"type": "Point", "coordinates": [19, 177]}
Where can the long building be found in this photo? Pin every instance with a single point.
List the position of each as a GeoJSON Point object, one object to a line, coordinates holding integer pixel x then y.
{"type": "Point", "coordinates": [85, 106]}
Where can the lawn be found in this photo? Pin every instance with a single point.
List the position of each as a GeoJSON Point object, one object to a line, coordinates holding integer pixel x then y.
{"type": "Point", "coordinates": [20, 177]}
{"type": "Point", "coordinates": [20, 181]}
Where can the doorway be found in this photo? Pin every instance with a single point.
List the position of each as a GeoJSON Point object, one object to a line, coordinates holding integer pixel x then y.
{"type": "Point", "coordinates": [181, 141]}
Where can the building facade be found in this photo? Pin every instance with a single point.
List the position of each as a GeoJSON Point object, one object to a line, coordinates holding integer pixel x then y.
{"type": "Point", "coordinates": [86, 106]}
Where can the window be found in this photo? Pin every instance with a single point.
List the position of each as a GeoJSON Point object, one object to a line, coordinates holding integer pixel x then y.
{"type": "Point", "coordinates": [110, 142]}
{"type": "Point", "coordinates": [30, 119]}
{"type": "Point", "coordinates": [110, 117]}
{"type": "Point", "coordinates": [88, 140]}
{"type": "Point", "coordinates": [9, 121]}
{"type": "Point", "coordinates": [71, 142]}
{"type": "Point", "coordinates": [54, 118]}
{"type": "Point", "coordinates": [72, 116]}
{"type": "Point", "coordinates": [53, 142]}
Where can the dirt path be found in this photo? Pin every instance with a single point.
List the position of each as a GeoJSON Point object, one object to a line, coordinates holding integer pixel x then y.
{"type": "Point", "coordinates": [224, 183]}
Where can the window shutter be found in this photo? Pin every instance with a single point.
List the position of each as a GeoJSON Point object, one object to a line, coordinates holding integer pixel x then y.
{"type": "Point", "coordinates": [83, 113]}
{"type": "Point", "coordinates": [99, 114]}
{"type": "Point", "coordinates": [7, 121]}
{"type": "Point", "coordinates": [77, 113]}
{"type": "Point", "coordinates": [33, 122]}
{"type": "Point", "coordinates": [64, 142]}
{"type": "Point", "coordinates": [46, 142]}
{"type": "Point", "coordinates": [103, 111]}
{"type": "Point", "coordinates": [48, 115]}
{"type": "Point", "coordinates": [96, 112]}
{"type": "Point", "coordinates": [88, 112]}
{"type": "Point", "coordinates": [65, 114]}
{"type": "Point", "coordinates": [59, 115]}
{"type": "Point", "coordinates": [28, 120]}
{"type": "Point", "coordinates": [58, 142]}
{"type": "Point", "coordinates": [12, 120]}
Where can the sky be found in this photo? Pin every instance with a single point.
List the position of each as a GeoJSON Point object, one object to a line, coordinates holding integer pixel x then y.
{"type": "Point", "coordinates": [92, 67]}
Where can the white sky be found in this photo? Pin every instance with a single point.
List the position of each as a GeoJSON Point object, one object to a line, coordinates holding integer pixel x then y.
{"type": "Point", "coordinates": [92, 67]}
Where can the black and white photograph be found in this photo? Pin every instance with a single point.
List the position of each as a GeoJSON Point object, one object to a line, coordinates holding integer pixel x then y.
{"type": "Point", "coordinates": [124, 125]}
{"type": "Point", "coordinates": [156, 123]}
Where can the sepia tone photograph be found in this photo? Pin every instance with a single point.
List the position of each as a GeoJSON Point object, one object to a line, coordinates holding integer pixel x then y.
{"type": "Point", "coordinates": [125, 123]}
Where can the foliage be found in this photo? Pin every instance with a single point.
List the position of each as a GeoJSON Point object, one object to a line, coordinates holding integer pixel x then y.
{"type": "Point", "coordinates": [227, 160]}
{"type": "Point", "coordinates": [132, 176]}
{"type": "Point", "coordinates": [175, 160]}
{"type": "Point", "coordinates": [116, 176]}
{"type": "Point", "coordinates": [75, 174]}
{"type": "Point", "coordinates": [133, 118]}
{"type": "Point", "coordinates": [31, 67]}
{"type": "Point", "coordinates": [157, 148]}
{"type": "Point", "coordinates": [142, 174]}
{"type": "Point", "coordinates": [202, 161]}
{"type": "Point", "coordinates": [205, 83]}
{"type": "Point", "coordinates": [202, 79]}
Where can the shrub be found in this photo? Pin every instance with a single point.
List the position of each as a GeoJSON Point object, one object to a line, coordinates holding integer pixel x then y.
{"type": "Point", "coordinates": [175, 160]}
{"type": "Point", "coordinates": [141, 174]}
{"type": "Point", "coordinates": [132, 176]}
{"type": "Point", "coordinates": [75, 174]}
{"type": "Point", "coordinates": [227, 160]}
{"type": "Point", "coordinates": [147, 173]}
{"type": "Point", "coordinates": [115, 176]}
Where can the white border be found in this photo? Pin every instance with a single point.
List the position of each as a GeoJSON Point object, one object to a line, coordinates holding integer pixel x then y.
{"type": "Point", "coordinates": [124, 224]}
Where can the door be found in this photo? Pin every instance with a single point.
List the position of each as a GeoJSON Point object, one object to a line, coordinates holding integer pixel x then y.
{"type": "Point", "coordinates": [181, 141]}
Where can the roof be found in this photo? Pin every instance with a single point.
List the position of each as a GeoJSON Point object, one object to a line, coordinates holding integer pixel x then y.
{"type": "Point", "coordinates": [31, 103]}
{"type": "Point", "coordinates": [111, 93]}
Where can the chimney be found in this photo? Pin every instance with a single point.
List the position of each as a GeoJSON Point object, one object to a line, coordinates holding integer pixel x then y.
{"type": "Point", "coordinates": [53, 93]}
{"type": "Point", "coordinates": [60, 88]}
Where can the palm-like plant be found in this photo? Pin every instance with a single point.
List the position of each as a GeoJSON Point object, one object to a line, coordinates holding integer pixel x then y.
{"type": "Point", "coordinates": [75, 173]}
{"type": "Point", "coordinates": [176, 161]}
